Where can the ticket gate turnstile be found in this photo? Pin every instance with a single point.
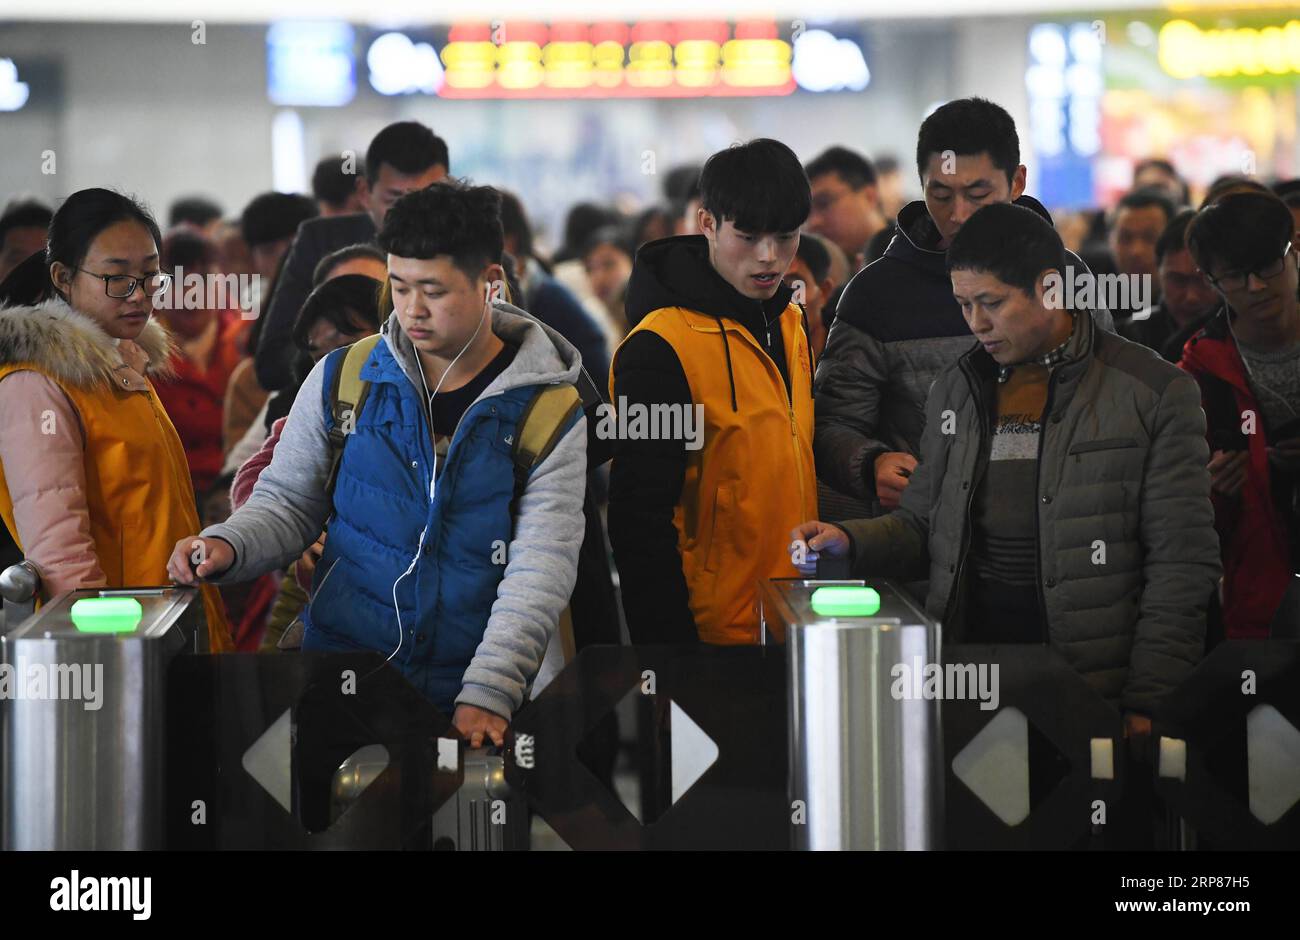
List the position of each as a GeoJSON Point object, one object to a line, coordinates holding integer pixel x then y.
{"type": "Point", "coordinates": [82, 717]}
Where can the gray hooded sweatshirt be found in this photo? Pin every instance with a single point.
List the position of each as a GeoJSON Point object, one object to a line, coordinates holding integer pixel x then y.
{"type": "Point", "coordinates": [289, 507]}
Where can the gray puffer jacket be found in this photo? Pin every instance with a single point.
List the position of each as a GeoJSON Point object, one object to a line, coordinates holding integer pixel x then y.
{"type": "Point", "coordinates": [896, 328]}
{"type": "Point", "coordinates": [1122, 466]}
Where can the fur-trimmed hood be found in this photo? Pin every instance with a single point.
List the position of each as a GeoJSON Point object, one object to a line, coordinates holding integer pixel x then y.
{"type": "Point", "coordinates": [73, 348]}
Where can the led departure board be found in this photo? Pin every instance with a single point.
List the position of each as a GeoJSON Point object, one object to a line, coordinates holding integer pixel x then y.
{"type": "Point", "coordinates": [600, 60]}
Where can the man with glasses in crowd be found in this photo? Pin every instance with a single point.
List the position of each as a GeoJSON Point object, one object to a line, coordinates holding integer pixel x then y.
{"type": "Point", "coordinates": [845, 201]}
{"type": "Point", "coordinates": [1247, 362]}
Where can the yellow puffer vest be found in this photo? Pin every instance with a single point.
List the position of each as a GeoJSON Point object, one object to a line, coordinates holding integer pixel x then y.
{"type": "Point", "coordinates": [753, 480]}
{"type": "Point", "coordinates": [138, 489]}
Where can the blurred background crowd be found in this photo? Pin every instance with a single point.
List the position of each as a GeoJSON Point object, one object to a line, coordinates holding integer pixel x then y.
{"type": "Point", "coordinates": [237, 131]}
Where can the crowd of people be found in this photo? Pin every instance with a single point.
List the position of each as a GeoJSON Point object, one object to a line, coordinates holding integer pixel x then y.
{"type": "Point", "coordinates": [385, 435]}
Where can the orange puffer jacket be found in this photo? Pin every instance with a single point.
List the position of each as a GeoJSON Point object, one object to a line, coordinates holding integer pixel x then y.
{"type": "Point", "coordinates": [94, 485]}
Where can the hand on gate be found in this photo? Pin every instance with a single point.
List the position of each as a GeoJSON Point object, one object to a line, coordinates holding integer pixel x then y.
{"type": "Point", "coordinates": [477, 724]}
{"type": "Point", "coordinates": [194, 559]}
{"type": "Point", "coordinates": [820, 537]}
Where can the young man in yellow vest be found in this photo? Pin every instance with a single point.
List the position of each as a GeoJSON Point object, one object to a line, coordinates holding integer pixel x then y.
{"type": "Point", "coordinates": [713, 460]}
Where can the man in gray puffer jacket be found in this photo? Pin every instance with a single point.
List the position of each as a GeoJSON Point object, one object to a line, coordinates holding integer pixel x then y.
{"type": "Point", "coordinates": [1062, 495]}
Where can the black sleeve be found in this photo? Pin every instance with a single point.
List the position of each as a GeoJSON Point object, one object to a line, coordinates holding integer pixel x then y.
{"type": "Point", "coordinates": [645, 486]}
{"type": "Point", "coordinates": [273, 358]}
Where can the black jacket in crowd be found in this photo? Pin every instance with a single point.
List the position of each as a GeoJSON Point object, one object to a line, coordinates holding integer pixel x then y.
{"type": "Point", "coordinates": [1155, 329]}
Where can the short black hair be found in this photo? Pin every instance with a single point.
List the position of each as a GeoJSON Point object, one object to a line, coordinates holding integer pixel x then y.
{"type": "Point", "coordinates": [814, 254]}
{"type": "Point", "coordinates": [1241, 231]}
{"type": "Point", "coordinates": [448, 218]}
{"type": "Point", "coordinates": [1013, 243]}
{"type": "Point", "coordinates": [186, 249]}
{"type": "Point", "coordinates": [514, 223]}
{"type": "Point", "coordinates": [760, 186]}
{"type": "Point", "coordinates": [583, 219]}
{"type": "Point", "coordinates": [1288, 191]}
{"type": "Point", "coordinates": [1228, 182]}
{"type": "Point", "coordinates": [270, 217]}
{"type": "Point", "coordinates": [648, 217]}
{"type": "Point", "coordinates": [967, 127]}
{"type": "Point", "coordinates": [335, 258]}
{"type": "Point", "coordinates": [194, 210]}
{"type": "Point", "coordinates": [1160, 163]}
{"type": "Point", "coordinates": [1166, 167]}
{"type": "Point", "coordinates": [682, 183]}
{"type": "Point", "coordinates": [332, 185]}
{"type": "Point", "coordinates": [408, 147]}
{"type": "Point", "coordinates": [855, 169]}
{"type": "Point", "coordinates": [29, 213]}
{"type": "Point", "coordinates": [1145, 198]}
{"type": "Point", "coordinates": [1174, 238]}
{"type": "Point", "coordinates": [617, 235]}
{"type": "Point", "coordinates": [350, 303]}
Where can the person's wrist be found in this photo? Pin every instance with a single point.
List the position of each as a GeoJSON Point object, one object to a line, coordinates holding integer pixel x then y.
{"type": "Point", "coordinates": [869, 470]}
{"type": "Point", "coordinates": [851, 551]}
{"type": "Point", "coordinates": [233, 554]}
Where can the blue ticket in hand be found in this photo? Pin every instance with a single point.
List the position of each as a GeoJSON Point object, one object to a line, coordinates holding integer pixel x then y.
{"type": "Point", "coordinates": [804, 558]}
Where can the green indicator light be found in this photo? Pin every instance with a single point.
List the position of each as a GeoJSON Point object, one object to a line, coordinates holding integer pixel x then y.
{"type": "Point", "coordinates": [106, 614]}
{"type": "Point", "coordinates": [845, 601]}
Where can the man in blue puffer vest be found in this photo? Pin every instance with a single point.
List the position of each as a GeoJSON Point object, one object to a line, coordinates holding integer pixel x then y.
{"type": "Point", "coordinates": [420, 561]}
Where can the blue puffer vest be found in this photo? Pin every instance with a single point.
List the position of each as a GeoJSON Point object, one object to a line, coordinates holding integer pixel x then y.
{"type": "Point", "coordinates": [381, 506]}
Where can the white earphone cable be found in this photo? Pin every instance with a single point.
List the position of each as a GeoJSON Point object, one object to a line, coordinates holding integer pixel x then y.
{"type": "Point", "coordinates": [433, 477]}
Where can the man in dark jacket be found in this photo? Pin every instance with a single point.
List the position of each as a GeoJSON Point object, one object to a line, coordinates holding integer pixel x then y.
{"type": "Point", "coordinates": [1062, 495]}
{"type": "Point", "coordinates": [1134, 229]}
{"type": "Point", "coordinates": [897, 325]}
{"type": "Point", "coordinates": [549, 300]}
{"type": "Point", "coordinates": [1187, 301]}
{"type": "Point", "coordinates": [403, 157]}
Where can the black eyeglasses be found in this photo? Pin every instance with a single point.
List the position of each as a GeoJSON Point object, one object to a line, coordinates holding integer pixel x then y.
{"type": "Point", "coordinates": [1236, 280]}
{"type": "Point", "coordinates": [824, 201]}
{"type": "Point", "coordinates": [121, 286]}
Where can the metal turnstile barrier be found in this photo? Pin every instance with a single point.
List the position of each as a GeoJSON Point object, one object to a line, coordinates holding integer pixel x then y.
{"type": "Point", "coordinates": [1228, 744]}
{"type": "Point", "coordinates": [83, 715]}
{"type": "Point", "coordinates": [864, 739]}
{"type": "Point", "coordinates": [1040, 765]}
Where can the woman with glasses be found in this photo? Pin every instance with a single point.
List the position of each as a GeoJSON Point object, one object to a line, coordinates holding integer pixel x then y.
{"type": "Point", "coordinates": [93, 480]}
{"type": "Point", "coordinates": [1247, 362]}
